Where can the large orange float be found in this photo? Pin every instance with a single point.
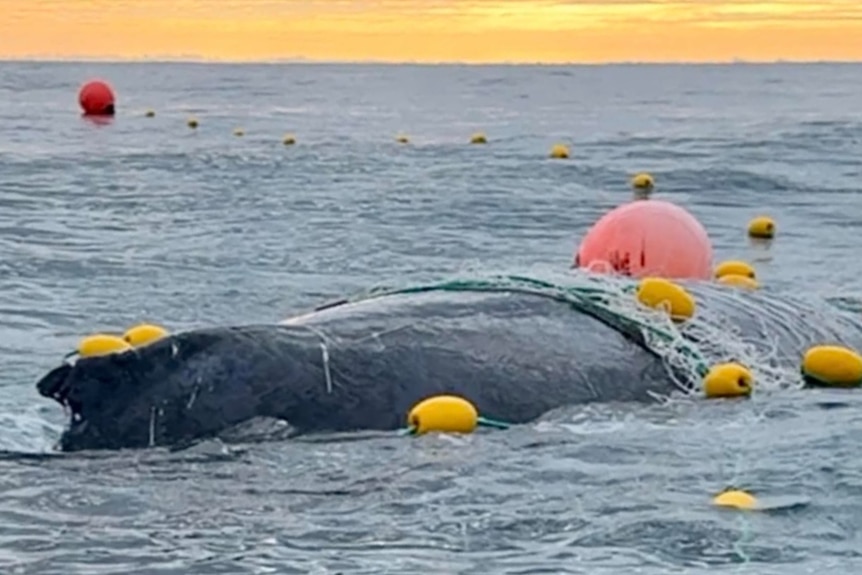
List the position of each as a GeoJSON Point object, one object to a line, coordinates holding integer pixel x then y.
{"type": "Point", "coordinates": [647, 238]}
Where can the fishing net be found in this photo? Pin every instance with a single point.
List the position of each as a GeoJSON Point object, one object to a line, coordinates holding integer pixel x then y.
{"type": "Point", "coordinates": [611, 300]}
{"type": "Point", "coordinates": [765, 333]}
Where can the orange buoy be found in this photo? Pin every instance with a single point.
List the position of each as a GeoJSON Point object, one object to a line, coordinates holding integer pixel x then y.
{"type": "Point", "coordinates": [96, 99]}
{"type": "Point", "coordinates": [647, 238]}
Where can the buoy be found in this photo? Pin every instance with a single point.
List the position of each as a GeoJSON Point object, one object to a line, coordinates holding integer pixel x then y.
{"type": "Point", "coordinates": [832, 366]}
{"type": "Point", "coordinates": [734, 267]}
{"type": "Point", "coordinates": [150, 114]}
{"type": "Point", "coordinates": [238, 132]}
{"type": "Point", "coordinates": [739, 281]}
{"type": "Point", "coordinates": [643, 185]}
{"type": "Point", "coordinates": [144, 334]}
{"type": "Point", "coordinates": [661, 293]}
{"type": "Point", "coordinates": [192, 123]}
{"type": "Point", "coordinates": [402, 139]}
{"type": "Point", "coordinates": [728, 380]}
{"type": "Point", "coordinates": [559, 152]}
{"type": "Point", "coordinates": [654, 238]}
{"type": "Point", "coordinates": [478, 138]}
{"type": "Point", "coordinates": [289, 140]}
{"type": "Point", "coordinates": [443, 413]}
{"type": "Point", "coordinates": [762, 227]}
{"type": "Point", "coordinates": [736, 499]}
{"type": "Point", "coordinates": [102, 344]}
{"type": "Point", "coordinates": [96, 99]}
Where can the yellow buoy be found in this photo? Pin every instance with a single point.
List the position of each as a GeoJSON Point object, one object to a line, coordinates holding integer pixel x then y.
{"type": "Point", "coordinates": [102, 344]}
{"type": "Point", "coordinates": [144, 334]}
{"type": "Point", "coordinates": [736, 499]}
{"type": "Point", "coordinates": [402, 139]}
{"type": "Point", "coordinates": [289, 140]}
{"type": "Point", "coordinates": [728, 380]}
{"type": "Point", "coordinates": [832, 365]}
{"type": "Point", "coordinates": [643, 181]}
{"type": "Point", "coordinates": [478, 138]}
{"type": "Point", "coordinates": [643, 185]}
{"type": "Point", "coordinates": [762, 227]}
{"type": "Point", "coordinates": [238, 132]}
{"type": "Point", "coordinates": [150, 114]}
{"type": "Point", "coordinates": [192, 123]}
{"type": "Point", "coordinates": [559, 152]}
{"type": "Point", "coordinates": [739, 281]}
{"type": "Point", "coordinates": [443, 413]}
{"type": "Point", "coordinates": [734, 267]}
{"type": "Point", "coordinates": [659, 292]}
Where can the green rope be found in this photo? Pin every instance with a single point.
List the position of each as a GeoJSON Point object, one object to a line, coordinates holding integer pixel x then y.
{"type": "Point", "coordinates": [492, 423]}
{"type": "Point", "coordinates": [745, 537]}
{"type": "Point", "coordinates": [481, 421]}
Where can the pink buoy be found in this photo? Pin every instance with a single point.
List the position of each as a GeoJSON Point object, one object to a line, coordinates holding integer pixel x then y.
{"type": "Point", "coordinates": [647, 238]}
{"type": "Point", "coordinates": [96, 99]}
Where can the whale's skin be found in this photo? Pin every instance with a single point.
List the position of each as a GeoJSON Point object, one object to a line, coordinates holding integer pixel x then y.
{"type": "Point", "coordinates": [361, 366]}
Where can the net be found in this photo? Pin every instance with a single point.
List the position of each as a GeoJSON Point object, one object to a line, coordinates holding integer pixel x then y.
{"type": "Point", "coordinates": [611, 300]}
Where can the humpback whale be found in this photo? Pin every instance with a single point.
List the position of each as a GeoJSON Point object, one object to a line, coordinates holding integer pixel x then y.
{"type": "Point", "coordinates": [514, 352]}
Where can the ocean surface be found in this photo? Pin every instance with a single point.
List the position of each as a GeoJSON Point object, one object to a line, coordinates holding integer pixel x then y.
{"type": "Point", "coordinates": [106, 225]}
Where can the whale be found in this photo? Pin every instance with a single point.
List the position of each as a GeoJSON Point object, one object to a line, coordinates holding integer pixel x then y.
{"type": "Point", "coordinates": [515, 353]}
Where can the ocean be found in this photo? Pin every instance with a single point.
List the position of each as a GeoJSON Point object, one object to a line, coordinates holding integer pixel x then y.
{"type": "Point", "coordinates": [144, 219]}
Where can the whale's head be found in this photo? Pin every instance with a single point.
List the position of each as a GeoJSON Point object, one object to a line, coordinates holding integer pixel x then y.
{"type": "Point", "coordinates": [181, 388]}
{"type": "Point", "coordinates": [97, 394]}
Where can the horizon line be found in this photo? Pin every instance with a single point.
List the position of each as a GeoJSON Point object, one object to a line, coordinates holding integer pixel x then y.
{"type": "Point", "coordinates": [428, 63]}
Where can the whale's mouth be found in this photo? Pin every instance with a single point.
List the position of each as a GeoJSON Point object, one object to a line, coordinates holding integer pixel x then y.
{"type": "Point", "coordinates": [64, 385]}
{"type": "Point", "coordinates": [57, 385]}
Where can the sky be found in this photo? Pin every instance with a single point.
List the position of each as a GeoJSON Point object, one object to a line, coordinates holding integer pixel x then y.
{"type": "Point", "coordinates": [473, 31]}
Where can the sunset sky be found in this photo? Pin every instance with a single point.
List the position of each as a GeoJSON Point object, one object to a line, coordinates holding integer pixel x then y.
{"type": "Point", "coordinates": [433, 30]}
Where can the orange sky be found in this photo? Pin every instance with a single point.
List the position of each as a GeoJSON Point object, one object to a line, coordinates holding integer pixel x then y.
{"type": "Point", "coordinates": [433, 30]}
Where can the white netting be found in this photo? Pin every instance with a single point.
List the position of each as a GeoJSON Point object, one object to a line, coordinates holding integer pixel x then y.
{"type": "Point", "coordinates": [688, 349]}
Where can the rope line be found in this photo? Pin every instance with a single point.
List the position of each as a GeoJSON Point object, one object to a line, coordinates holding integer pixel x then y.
{"type": "Point", "coordinates": [481, 421]}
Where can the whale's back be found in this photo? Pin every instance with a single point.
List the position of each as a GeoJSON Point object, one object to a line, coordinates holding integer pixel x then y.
{"type": "Point", "coordinates": [515, 355]}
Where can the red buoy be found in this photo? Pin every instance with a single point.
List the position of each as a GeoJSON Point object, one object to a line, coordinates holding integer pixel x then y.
{"type": "Point", "coordinates": [648, 238]}
{"type": "Point", "coordinates": [96, 99]}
